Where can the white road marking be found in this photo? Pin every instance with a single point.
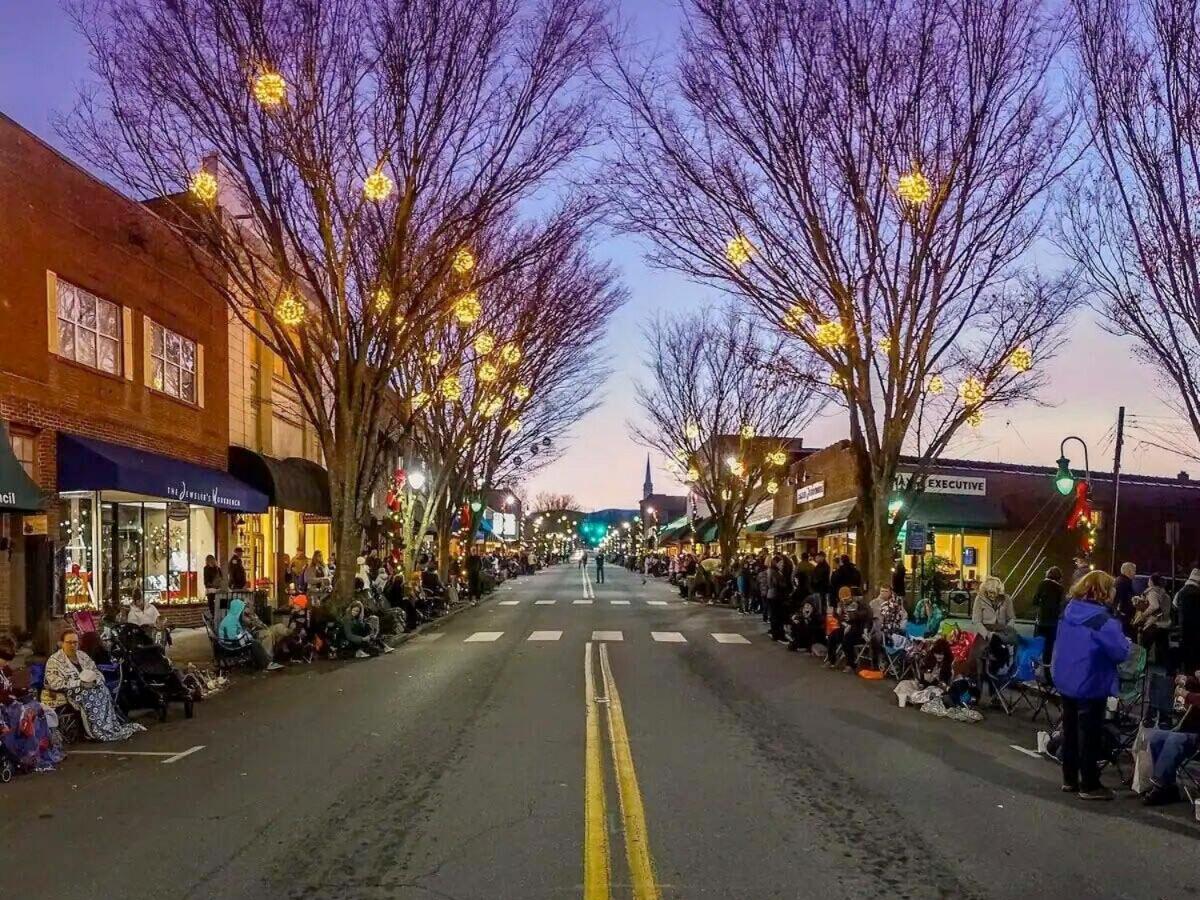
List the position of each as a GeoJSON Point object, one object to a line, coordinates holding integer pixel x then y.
{"type": "Point", "coordinates": [480, 636]}
{"type": "Point", "coordinates": [425, 638]}
{"type": "Point", "coordinates": [656, 603]}
{"type": "Point", "coordinates": [607, 636]}
{"type": "Point", "coordinates": [619, 602]}
{"type": "Point", "coordinates": [724, 638]}
{"type": "Point", "coordinates": [581, 602]}
{"type": "Point", "coordinates": [668, 637]}
{"type": "Point", "coordinates": [179, 756]}
{"type": "Point", "coordinates": [544, 636]}
{"type": "Point", "coordinates": [1026, 751]}
{"type": "Point", "coordinates": [509, 602]}
{"type": "Point", "coordinates": [544, 602]}
{"type": "Point", "coordinates": [169, 753]}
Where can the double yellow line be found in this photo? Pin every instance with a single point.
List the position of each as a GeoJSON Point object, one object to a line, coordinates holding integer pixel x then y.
{"type": "Point", "coordinates": [597, 869]}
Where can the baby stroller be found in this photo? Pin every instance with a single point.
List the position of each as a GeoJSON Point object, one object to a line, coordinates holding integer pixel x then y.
{"type": "Point", "coordinates": [150, 681]}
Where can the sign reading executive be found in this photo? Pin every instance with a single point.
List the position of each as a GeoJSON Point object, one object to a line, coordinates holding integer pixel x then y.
{"type": "Point", "coordinates": [962, 485]}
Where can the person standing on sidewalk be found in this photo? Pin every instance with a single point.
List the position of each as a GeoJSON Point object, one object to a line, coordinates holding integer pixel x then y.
{"type": "Point", "coordinates": [599, 567]}
{"type": "Point", "coordinates": [474, 575]}
{"type": "Point", "coordinates": [1048, 602]}
{"type": "Point", "coordinates": [820, 581]}
{"type": "Point", "coordinates": [1089, 647]}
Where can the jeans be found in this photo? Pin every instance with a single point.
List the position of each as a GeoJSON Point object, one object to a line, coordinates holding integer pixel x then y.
{"type": "Point", "coordinates": [599, 574]}
{"type": "Point", "coordinates": [778, 618]}
{"type": "Point", "coordinates": [1169, 750]}
{"type": "Point", "coordinates": [1048, 632]}
{"type": "Point", "coordinates": [1082, 728]}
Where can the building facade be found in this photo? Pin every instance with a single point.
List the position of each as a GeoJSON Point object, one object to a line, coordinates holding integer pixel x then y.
{"type": "Point", "coordinates": [113, 391]}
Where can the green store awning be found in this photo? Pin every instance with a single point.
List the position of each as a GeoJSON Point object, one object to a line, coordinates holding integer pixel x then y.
{"type": "Point", "coordinates": [955, 511]}
{"type": "Point", "coordinates": [18, 492]}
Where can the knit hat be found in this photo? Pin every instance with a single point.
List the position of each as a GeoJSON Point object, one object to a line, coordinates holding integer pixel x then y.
{"type": "Point", "coordinates": [1194, 578]}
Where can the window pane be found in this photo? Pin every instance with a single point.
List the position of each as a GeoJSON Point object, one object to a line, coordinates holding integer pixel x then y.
{"type": "Point", "coordinates": [172, 380]}
{"type": "Point", "coordinates": [108, 319]}
{"type": "Point", "coordinates": [85, 347]}
{"type": "Point", "coordinates": [156, 374]}
{"type": "Point", "coordinates": [66, 339]}
{"type": "Point", "coordinates": [86, 308]}
{"type": "Point", "coordinates": [156, 340]}
{"type": "Point", "coordinates": [187, 389]}
{"type": "Point", "coordinates": [107, 355]}
{"type": "Point", "coordinates": [187, 354]}
{"type": "Point", "coordinates": [172, 347]}
{"type": "Point", "coordinates": [66, 300]}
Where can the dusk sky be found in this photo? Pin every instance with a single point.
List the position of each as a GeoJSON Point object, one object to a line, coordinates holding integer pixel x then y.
{"type": "Point", "coordinates": [42, 61]}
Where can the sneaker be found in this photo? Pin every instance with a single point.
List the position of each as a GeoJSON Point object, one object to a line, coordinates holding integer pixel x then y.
{"type": "Point", "coordinates": [1096, 793]}
{"type": "Point", "coordinates": [361, 654]}
{"type": "Point", "coordinates": [273, 666]}
{"type": "Point", "coordinates": [388, 648]}
{"type": "Point", "coordinates": [1070, 789]}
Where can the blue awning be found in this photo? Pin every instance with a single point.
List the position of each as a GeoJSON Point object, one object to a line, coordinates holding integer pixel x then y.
{"type": "Point", "coordinates": [85, 464]}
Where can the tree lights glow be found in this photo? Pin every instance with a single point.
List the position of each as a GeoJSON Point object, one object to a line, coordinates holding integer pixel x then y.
{"type": "Point", "coordinates": [1021, 359]}
{"type": "Point", "coordinates": [831, 334]}
{"type": "Point", "coordinates": [378, 186]}
{"type": "Point", "coordinates": [739, 250]}
{"type": "Point", "coordinates": [270, 89]}
{"type": "Point", "coordinates": [971, 391]}
{"type": "Point", "coordinates": [463, 261]}
{"type": "Point", "coordinates": [290, 310]}
{"type": "Point", "coordinates": [467, 308]}
{"type": "Point", "coordinates": [913, 187]}
{"type": "Point", "coordinates": [203, 186]}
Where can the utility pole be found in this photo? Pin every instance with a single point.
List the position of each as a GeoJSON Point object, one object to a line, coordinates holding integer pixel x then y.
{"type": "Point", "coordinates": [1112, 562]}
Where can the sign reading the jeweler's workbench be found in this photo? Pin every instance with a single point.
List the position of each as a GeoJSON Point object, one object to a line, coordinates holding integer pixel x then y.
{"type": "Point", "coordinates": [962, 485]}
{"type": "Point", "coordinates": [814, 490]}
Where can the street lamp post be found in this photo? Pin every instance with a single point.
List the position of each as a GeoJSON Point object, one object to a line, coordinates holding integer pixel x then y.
{"type": "Point", "coordinates": [1064, 480]}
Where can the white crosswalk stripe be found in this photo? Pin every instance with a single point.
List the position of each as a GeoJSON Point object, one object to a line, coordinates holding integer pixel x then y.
{"type": "Point", "coordinates": [509, 602]}
{"type": "Point", "coordinates": [581, 602]}
{"type": "Point", "coordinates": [656, 603]}
{"type": "Point", "coordinates": [545, 636]}
{"type": "Point", "coordinates": [619, 602]}
{"type": "Point", "coordinates": [608, 636]}
{"type": "Point", "coordinates": [544, 602]}
{"type": "Point", "coordinates": [723, 638]}
{"type": "Point", "coordinates": [483, 636]}
{"type": "Point", "coordinates": [668, 637]}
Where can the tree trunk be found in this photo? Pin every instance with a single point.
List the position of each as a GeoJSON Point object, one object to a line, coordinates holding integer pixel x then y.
{"type": "Point", "coordinates": [346, 531]}
{"type": "Point", "coordinates": [443, 551]}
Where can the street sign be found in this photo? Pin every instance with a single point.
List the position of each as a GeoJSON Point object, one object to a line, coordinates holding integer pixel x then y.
{"type": "Point", "coordinates": [1172, 534]}
{"type": "Point", "coordinates": [915, 538]}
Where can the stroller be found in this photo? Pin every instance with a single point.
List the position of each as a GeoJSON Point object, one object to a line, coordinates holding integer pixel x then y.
{"type": "Point", "coordinates": [149, 680]}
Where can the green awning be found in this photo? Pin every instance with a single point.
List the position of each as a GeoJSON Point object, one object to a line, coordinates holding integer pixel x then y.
{"type": "Point", "coordinates": [839, 513]}
{"type": "Point", "coordinates": [18, 493]}
{"type": "Point", "coordinates": [706, 531]}
{"type": "Point", "coordinates": [958, 511]}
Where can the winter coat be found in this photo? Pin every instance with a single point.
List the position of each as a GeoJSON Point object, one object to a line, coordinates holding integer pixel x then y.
{"type": "Point", "coordinates": [820, 578]}
{"type": "Point", "coordinates": [1089, 647]}
{"type": "Point", "coordinates": [1048, 601]}
{"type": "Point", "coordinates": [1187, 603]}
{"type": "Point", "coordinates": [846, 576]}
{"type": "Point", "coordinates": [1123, 604]}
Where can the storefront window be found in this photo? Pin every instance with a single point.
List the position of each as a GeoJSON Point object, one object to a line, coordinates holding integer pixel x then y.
{"type": "Point", "coordinates": [129, 546]}
{"type": "Point", "coordinates": [839, 543]}
{"type": "Point", "coordinates": [155, 557]}
{"type": "Point", "coordinates": [964, 558]}
{"type": "Point", "coordinates": [77, 554]}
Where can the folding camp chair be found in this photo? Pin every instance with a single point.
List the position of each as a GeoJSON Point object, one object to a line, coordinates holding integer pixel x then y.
{"type": "Point", "coordinates": [898, 662]}
{"type": "Point", "coordinates": [1041, 693]}
{"type": "Point", "coordinates": [1004, 683]}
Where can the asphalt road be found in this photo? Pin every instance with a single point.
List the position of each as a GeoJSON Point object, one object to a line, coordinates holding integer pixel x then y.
{"type": "Point", "coordinates": [465, 767]}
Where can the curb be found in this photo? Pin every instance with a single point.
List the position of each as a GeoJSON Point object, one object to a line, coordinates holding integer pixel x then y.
{"type": "Point", "coordinates": [407, 636]}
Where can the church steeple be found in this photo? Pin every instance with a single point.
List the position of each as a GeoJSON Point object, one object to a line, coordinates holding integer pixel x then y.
{"type": "Point", "coordinates": [648, 485]}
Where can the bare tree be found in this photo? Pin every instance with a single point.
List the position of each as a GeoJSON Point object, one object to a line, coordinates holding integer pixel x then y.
{"type": "Point", "coordinates": [868, 175]}
{"type": "Point", "coordinates": [1131, 222]}
{"type": "Point", "coordinates": [356, 153]}
{"type": "Point", "coordinates": [717, 407]}
{"type": "Point", "coordinates": [499, 392]}
{"type": "Point", "coordinates": [547, 501]}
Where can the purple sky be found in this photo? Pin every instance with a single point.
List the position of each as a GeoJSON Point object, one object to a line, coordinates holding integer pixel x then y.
{"type": "Point", "coordinates": [42, 60]}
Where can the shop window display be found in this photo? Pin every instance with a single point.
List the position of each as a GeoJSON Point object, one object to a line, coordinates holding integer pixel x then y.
{"type": "Point", "coordinates": [76, 554]}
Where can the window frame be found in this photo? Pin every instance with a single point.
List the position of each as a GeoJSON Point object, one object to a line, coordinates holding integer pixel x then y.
{"type": "Point", "coordinates": [97, 335]}
{"type": "Point", "coordinates": [162, 358]}
{"type": "Point", "coordinates": [26, 439]}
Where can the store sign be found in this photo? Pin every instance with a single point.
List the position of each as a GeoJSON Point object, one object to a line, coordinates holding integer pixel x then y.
{"type": "Point", "coordinates": [202, 496]}
{"type": "Point", "coordinates": [961, 485]}
{"type": "Point", "coordinates": [806, 493]}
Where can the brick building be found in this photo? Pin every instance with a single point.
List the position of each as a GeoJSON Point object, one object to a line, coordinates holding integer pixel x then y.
{"type": "Point", "coordinates": [113, 383]}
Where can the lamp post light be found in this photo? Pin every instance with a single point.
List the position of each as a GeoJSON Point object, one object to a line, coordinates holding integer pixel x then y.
{"type": "Point", "coordinates": [1064, 479]}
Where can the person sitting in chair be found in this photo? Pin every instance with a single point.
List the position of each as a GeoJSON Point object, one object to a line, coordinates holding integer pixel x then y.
{"type": "Point", "coordinates": [362, 631]}
{"type": "Point", "coordinates": [1169, 750]}
{"type": "Point", "coordinates": [806, 627]}
{"type": "Point", "coordinates": [854, 619]}
{"type": "Point", "coordinates": [234, 634]}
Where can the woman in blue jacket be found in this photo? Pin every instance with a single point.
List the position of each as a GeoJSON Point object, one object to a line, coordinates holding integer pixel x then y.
{"type": "Point", "coordinates": [1089, 646]}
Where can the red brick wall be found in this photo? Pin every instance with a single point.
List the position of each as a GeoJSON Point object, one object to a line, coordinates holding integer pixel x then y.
{"type": "Point", "coordinates": [59, 219]}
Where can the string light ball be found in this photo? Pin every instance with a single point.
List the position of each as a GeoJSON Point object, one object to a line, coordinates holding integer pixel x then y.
{"type": "Point", "coordinates": [693, 474]}
{"type": "Point", "coordinates": [777, 458]}
{"type": "Point", "coordinates": [378, 186]}
{"type": "Point", "coordinates": [433, 358]}
{"type": "Point", "coordinates": [419, 399]}
{"type": "Point", "coordinates": [936, 385]}
{"type": "Point", "coordinates": [510, 353]}
{"type": "Point", "coordinates": [491, 407]}
{"type": "Point", "coordinates": [488, 372]}
{"type": "Point", "coordinates": [772, 488]}
{"type": "Point", "coordinates": [975, 419]}
{"type": "Point", "coordinates": [467, 308]}
{"type": "Point", "coordinates": [794, 318]}
{"type": "Point", "coordinates": [971, 391]}
{"type": "Point", "coordinates": [913, 187]}
{"type": "Point", "coordinates": [521, 392]}
{"type": "Point", "coordinates": [691, 431]}
{"type": "Point", "coordinates": [1021, 359]}
{"type": "Point", "coordinates": [289, 310]}
{"type": "Point", "coordinates": [831, 334]}
{"type": "Point", "coordinates": [270, 89]}
{"type": "Point", "coordinates": [885, 345]}
{"type": "Point", "coordinates": [484, 343]}
{"type": "Point", "coordinates": [383, 299]}
{"type": "Point", "coordinates": [451, 388]}
{"type": "Point", "coordinates": [739, 250]}
{"type": "Point", "coordinates": [203, 186]}
{"type": "Point", "coordinates": [836, 380]}
{"type": "Point", "coordinates": [748, 432]}
{"type": "Point", "coordinates": [513, 426]}
{"type": "Point", "coordinates": [463, 261]}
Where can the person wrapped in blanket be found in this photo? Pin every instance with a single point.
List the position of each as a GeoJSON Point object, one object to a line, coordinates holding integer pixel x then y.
{"type": "Point", "coordinates": [72, 673]}
{"type": "Point", "coordinates": [238, 629]}
{"type": "Point", "coordinates": [806, 628]}
{"type": "Point", "coordinates": [24, 726]}
{"type": "Point", "coordinates": [935, 672]}
{"type": "Point", "coordinates": [1169, 750]}
{"type": "Point", "coordinates": [853, 623]}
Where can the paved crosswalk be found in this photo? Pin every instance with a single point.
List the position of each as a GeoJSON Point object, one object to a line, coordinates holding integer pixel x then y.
{"type": "Point", "coordinates": [659, 637]}
{"type": "Point", "coordinates": [588, 601]}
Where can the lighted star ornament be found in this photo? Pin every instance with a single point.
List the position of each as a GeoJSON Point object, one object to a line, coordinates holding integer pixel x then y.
{"type": "Point", "coordinates": [203, 186]}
